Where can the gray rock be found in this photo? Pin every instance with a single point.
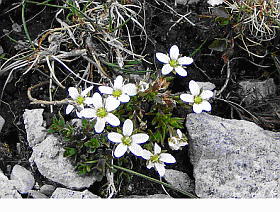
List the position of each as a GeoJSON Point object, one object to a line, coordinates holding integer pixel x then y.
{"type": "Point", "coordinates": [33, 120]}
{"type": "Point", "coordinates": [206, 85]}
{"type": "Point", "coordinates": [252, 90]}
{"type": "Point", "coordinates": [48, 157]}
{"type": "Point", "coordinates": [8, 190]}
{"type": "Point", "coordinates": [233, 158]}
{"type": "Point", "coordinates": [47, 189]}
{"type": "Point", "coordinates": [64, 193]}
{"type": "Point", "coordinates": [24, 178]}
{"type": "Point", "coordinates": [2, 176]}
{"type": "Point", "coordinates": [179, 180]}
{"type": "Point", "coordinates": [2, 122]}
{"type": "Point", "coordinates": [37, 194]}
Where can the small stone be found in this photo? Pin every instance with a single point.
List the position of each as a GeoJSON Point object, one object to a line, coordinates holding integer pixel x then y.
{"type": "Point", "coordinates": [47, 189]}
{"type": "Point", "coordinates": [64, 193]}
{"type": "Point", "coordinates": [33, 120]}
{"type": "Point", "coordinates": [37, 194]}
{"type": "Point", "coordinates": [8, 190]}
{"type": "Point", "coordinates": [24, 178]}
{"type": "Point", "coordinates": [206, 85]}
{"type": "Point", "coordinates": [2, 122]}
{"type": "Point", "coordinates": [154, 196]}
{"type": "Point", "coordinates": [179, 180]}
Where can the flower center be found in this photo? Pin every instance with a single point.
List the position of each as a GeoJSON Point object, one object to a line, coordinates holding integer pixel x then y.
{"type": "Point", "coordinates": [101, 112]}
{"type": "Point", "coordinates": [117, 93]}
{"type": "Point", "coordinates": [197, 99]}
{"type": "Point", "coordinates": [174, 63]}
{"type": "Point", "coordinates": [126, 140]}
{"type": "Point", "coordinates": [80, 100]}
{"type": "Point", "coordinates": [155, 158]}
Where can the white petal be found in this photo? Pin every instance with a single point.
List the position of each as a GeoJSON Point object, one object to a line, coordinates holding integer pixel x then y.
{"type": "Point", "coordinates": [135, 149]}
{"type": "Point", "coordinates": [146, 154]}
{"type": "Point", "coordinates": [194, 88]}
{"type": "Point", "coordinates": [111, 103]}
{"type": "Point", "coordinates": [127, 127]}
{"type": "Point", "coordinates": [69, 109]}
{"type": "Point", "coordinates": [197, 108]}
{"type": "Point", "coordinates": [73, 92]}
{"type": "Point", "coordinates": [150, 165]}
{"type": "Point", "coordinates": [206, 105]}
{"type": "Point", "coordinates": [105, 89]}
{"type": "Point", "coordinates": [174, 52]}
{"type": "Point", "coordinates": [112, 119]}
{"type": "Point", "coordinates": [130, 89]}
{"type": "Point", "coordinates": [140, 138]}
{"type": "Point", "coordinates": [124, 98]}
{"type": "Point", "coordinates": [166, 69]}
{"type": "Point", "coordinates": [179, 132]}
{"type": "Point", "coordinates": [120, 150]}
{"type": "Point", "coordinates": [157, 149]}
{"type": "Point", "coordinates": [97, 100]}
{"type": "Point", "coordinates": [118, 83]}
{"type": "Point", "coordinates": [89, 100]}
{"type": "Point", "coordinates": [88, 113]}
{"type": "Point", "coordinates": [206, 94]}
{"type": "Point", "coordinates": [173, 146]}
{"type": "Point", "coordinates": [160, 169]}
{"type": "Point", "coordinates": [187, 97]}
{"type": "Point", "coordinates": [181, 71]}
{"type": "Point", "coordinates": [185, 60]}
{"type": "Point", "coordinates": [85, 92]}
{"type": "Point", "coordinates": [162, 58]}
{"type": "Point", "coordinates": [100, 125]}
{"type": "Point", "coordinates": [115, 137]}
{"type": "Point", "coordinates": [167, 158]}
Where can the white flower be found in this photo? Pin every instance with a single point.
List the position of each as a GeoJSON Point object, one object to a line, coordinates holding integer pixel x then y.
{"type": "Point", "coordinates": [197, 97]}
{"type": "Point", "coordinates": [102, 111]}
{"type": "Point", "coordinates": [127, 141]}
{"type": "Point", "coordinates": [158, 159]}
{"type": "Point", "coordinates": [176, 142]}
{"type": "Point", "coordinates": [174, 62]}
{"type": "Point", "coordinates": [120, 91]}
{"type": "Point", "coordinates": [80, 98]}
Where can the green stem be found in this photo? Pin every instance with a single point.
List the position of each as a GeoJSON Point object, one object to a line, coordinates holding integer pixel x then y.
{"type": "Point", "coordinates": [199, 47]}
{"type": "Point", "coordinates": [45, 4]}
{"type": "Point", "coordinates": [154, 180]}
{"type": "Point", "coordinates": [25, 28]}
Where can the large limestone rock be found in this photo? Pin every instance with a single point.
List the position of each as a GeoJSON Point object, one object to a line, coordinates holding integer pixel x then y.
{"type": "Point", "coordinates": [7, 188]}
{"type": "Point", "coordinates": [48, 157]}
{"type": "Point", "coordinates": [233, 158]}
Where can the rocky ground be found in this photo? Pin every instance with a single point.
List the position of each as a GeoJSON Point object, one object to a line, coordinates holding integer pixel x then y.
{"type": "Point", "coordinates": [233, 151]}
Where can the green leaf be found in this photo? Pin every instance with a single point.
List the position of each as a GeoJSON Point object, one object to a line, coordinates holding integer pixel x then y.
{"type": "Point", "coordinates": [92, 143]}
{"type": "Point", "coordinates": [219, 45]}
{"type": "Point", "coordinates": [69, 152]}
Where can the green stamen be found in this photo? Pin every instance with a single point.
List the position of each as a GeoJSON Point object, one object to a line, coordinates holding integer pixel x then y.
{"type": "Point", "coordinates": [155, 158]}
{"type": "Point", "coordinates": [117, 93]}
{"type": "Point", "coordinates": [174, 63]}
{"type": "Point", "coordinates": [101, 112]}
{"type": "Point", "coordinates": [80, 100]}
{"type": "Point", "coordinates": [126, 140]}
{"type": "Point", "coordinates": [197, 99]}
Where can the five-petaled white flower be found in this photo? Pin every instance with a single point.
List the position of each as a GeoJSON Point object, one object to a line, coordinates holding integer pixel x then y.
{"type": "Point", "coordinates": [176, 142]}
{"type": "Point", "coordinates": [198, 97]}
{"type": "Point", "coordinates": [120, 91]}
{"type": "Point", "coordinates": [80, 98]}
{"type": "Point", "coordinates": [101, 111]}
{"type": "Point", "coordinates": [128, 141]}
{"type": "Point", "coordinates": [174, 62]}
{"type": "Point", "coordinates": [158, 159]}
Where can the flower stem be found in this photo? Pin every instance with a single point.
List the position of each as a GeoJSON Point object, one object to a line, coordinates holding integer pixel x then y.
{"type": "Point", "coordinates": [154, 180]}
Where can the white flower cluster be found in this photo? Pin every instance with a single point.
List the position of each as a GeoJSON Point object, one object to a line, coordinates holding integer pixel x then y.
{"type": "Point", "coordinates": [101, 108]}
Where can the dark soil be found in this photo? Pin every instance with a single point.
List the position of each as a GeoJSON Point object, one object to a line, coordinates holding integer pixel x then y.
{"type": "Point", "coordinates": [159, 18]}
